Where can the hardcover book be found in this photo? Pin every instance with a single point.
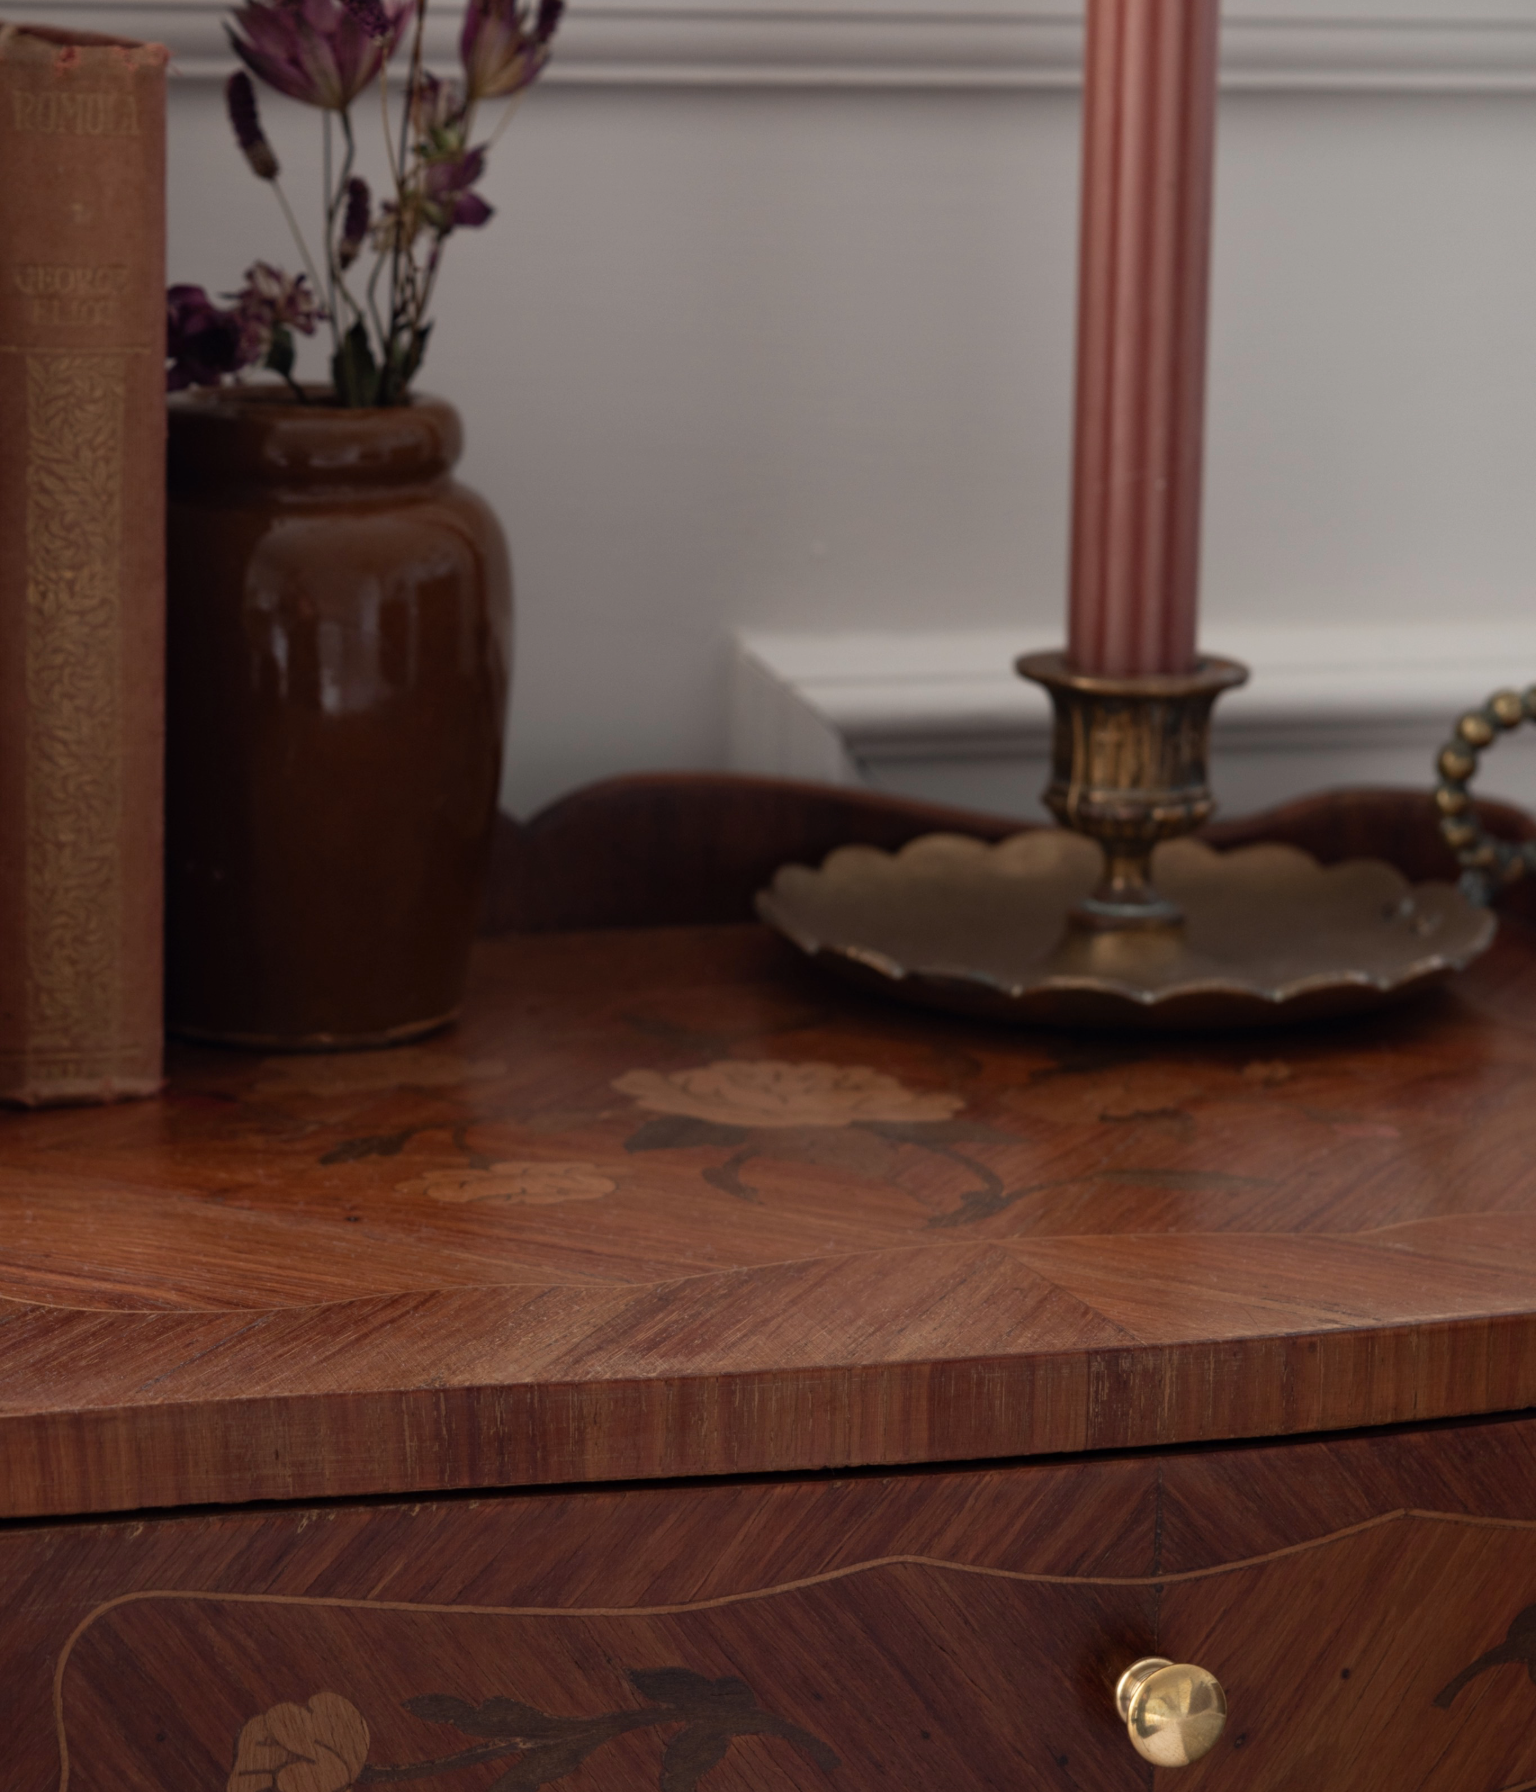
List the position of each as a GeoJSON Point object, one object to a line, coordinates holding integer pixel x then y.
{"type": "Point", "coordinates": [82, 458]}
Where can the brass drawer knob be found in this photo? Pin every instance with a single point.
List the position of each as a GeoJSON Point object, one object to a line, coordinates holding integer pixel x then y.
{"type": "Point", "coordinates": [1173, 1713]}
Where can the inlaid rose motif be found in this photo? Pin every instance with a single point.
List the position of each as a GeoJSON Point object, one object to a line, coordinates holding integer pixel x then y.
{"type": "Point", "coordinates": [843, 1117]}
{"type": "Point", "coordinates": [517, 1184]}
{"type": "Point", "coordinates": [767, 1092]}
{"type": "Point", "coordinates": [318, 1747]}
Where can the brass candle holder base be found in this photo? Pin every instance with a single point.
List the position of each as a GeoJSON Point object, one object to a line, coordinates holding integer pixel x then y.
{"type": "Point", "coordinates": [1128, 769]}
{"type": "Point", "coordinates": [1114, 921]}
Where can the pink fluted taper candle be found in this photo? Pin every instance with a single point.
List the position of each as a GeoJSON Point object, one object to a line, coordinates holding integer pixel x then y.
{"type": "Point", "coordinates": [1148, 160]}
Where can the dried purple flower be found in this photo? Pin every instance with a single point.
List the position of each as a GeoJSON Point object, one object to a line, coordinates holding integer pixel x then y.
{"type": "Point", "coordinates": [470, 211]}
{"type": "Point", "coordinates": [354, 223]}
{"type": "Point", "coordinates": [370, 14]}
{"type": "Point", "coordinates": [446, 198]}
{"type": "Point", "coordinates": [505, 44]}
{"type": "Point", "coordinates": [436, 108]}
{"type": "Point", "coordinates": [318, 51]}
{"type": "Point", "coordinates": [271, 300]}
{"type": "Point", "coordinates": [202, 342]}
{"type": "Point", "coordinates": [269, 308]}
{"type": "Point", "coordinates": [240, 97]}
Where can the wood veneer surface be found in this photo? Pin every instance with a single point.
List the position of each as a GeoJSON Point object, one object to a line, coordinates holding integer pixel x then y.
{"type": "Point", "coordinates": [610, 1227]}
{"type": "Point", "coordinates": [1365, 1601]}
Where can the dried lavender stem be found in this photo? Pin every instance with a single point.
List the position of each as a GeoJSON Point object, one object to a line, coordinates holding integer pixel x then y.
{"type": "Point", "coordinates": [330, 254]}
{"type": "Point", "coordinates": [333, 258]}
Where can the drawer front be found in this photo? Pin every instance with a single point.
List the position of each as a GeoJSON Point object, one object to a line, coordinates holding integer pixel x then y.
{"type": "Point", "coordinates": [1377, 1658]}
{"type": "Point", "coordinates": [892, 1676]}
{"type": "Point", "coordinates": [955, 1630]}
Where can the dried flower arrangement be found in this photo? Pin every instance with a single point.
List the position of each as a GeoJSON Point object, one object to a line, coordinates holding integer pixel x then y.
{"type": "Point", "coordinates": [327, 53]}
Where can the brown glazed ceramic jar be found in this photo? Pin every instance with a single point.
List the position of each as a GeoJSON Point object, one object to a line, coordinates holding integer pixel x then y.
{"type": "Point", "coordinates": [339, 619]}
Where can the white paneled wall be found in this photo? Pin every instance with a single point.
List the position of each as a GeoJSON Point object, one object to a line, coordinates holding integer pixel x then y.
{"type": "Point", "coordinates": [773, 331]}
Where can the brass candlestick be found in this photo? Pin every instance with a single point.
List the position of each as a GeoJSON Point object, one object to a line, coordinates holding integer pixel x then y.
{"type": "Point", "coordinates": [1128, 765]}
{"type": "Point", "coordinates": [1066, 927]}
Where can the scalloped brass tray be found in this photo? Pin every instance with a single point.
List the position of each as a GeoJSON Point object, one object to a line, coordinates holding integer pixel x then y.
{"type": "Point", "coordinates": [1269, 936]}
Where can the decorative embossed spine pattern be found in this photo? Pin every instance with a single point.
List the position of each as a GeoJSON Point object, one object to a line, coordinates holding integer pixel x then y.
{"type": "Point", "coordinates": [74, 610]}
{"type": "Point", "coordinates": [82, 233]}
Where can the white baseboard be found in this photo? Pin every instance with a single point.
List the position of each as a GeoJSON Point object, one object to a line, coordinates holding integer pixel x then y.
{"type": "Point", "coordinates": [1296, 45]}
{"type": "Point", "coordinates": [940, 714]}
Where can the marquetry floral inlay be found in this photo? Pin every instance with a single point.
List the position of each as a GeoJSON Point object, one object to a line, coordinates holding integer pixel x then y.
{"type": "Point", "coordinates": [766, 1092]}
{"type": "Point", "coordinates": [517, 1184]}
{"type": "Point", "coordinates": [840, 1117]}
{"type": "Point", "coordinates": [1517, 1649]}
{"type": "Point", "coordinates": [323, 1746]}
{"type": "Point", "coordinates": [318, 1747]}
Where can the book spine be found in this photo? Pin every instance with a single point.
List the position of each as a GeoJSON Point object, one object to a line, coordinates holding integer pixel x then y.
{"type": "Point", "coordinates": [82, 583]}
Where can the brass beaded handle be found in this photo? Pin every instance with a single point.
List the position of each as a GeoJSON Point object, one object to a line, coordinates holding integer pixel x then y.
{"type": "Point", "coordinates": [1488, 865]}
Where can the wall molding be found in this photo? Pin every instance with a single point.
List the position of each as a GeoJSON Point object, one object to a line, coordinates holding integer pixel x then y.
{"type": "Point", "coordinates": [940, 714]}
{"type": "Point", "coordinates": [1352, 46]}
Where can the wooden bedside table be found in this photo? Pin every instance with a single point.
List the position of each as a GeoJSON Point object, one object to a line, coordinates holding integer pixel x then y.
{"type": "Point", "coordinates": [687, 1373]}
